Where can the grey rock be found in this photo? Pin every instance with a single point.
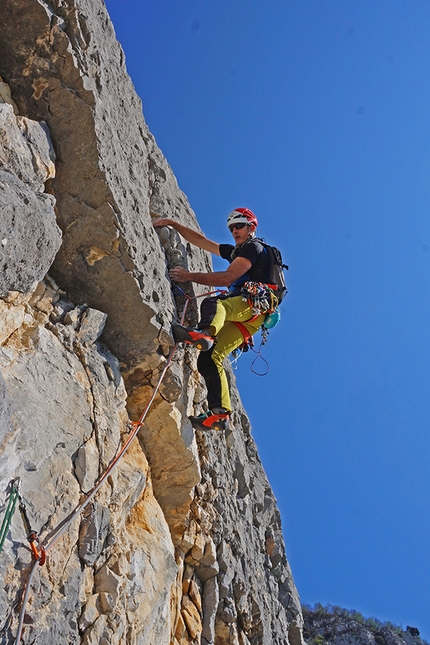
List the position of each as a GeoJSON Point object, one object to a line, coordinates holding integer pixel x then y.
{"type": "Point", "coordinates": [99, 633]}
{"type": "Point", "coordinates": [72, 317]}
{"type": "Point", "coordinates": [93, 532]}
{"type": "Point", "coordinates": [210, 602]}
{"type": "Point", "coordinates": [87, 465]}
{"type": "Point", "coordinates": [5, 412]}
{"type": "Point", "coordinates": [60, 400]}
{"type": "Point", "coordinates": [90, 612]}
{"type": "Point", "coordinates": [30, 237]}
{"type": "Point", "coordinates": [26, 149]}
{"type": "Point", "coordinates": [205, 572]}
{"type": "Point", "coordinates": [111, 257]}
{"type": "Point", "coordinates": [209, 556]}
{"type": "Point", "coordinates": [61, 308]}
{"type": "Point", "coordinates": [91, 325]}
{"type": "Point", "coordinates": [107, 581]}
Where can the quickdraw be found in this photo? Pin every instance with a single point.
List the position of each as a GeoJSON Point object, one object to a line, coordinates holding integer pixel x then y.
{"type": "Point", "coordinates": [14, 487]}
{"type": "Point", "coordinates": [32, 537]}
{"type": "Point", "coordinates": [39, 554]}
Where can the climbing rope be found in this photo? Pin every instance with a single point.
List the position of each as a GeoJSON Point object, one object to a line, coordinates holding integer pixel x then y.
{"type": "Point", "coordinates": [54, 536]}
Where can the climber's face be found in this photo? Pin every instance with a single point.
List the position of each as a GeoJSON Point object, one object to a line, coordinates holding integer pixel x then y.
{"type": "Point", "coordinates": [241, 232]}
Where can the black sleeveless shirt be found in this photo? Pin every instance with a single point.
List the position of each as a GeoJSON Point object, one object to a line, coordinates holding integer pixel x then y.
{"type": "Point", "coordinates": [253, 251]}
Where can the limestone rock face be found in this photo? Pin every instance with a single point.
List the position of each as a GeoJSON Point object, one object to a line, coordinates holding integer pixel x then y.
{"type": "Point", "coordinates": [61, 424]}
{"type": "Point", "coordinates": [30, 236]}
{"type": "Point", "coordinates": [182, 544]}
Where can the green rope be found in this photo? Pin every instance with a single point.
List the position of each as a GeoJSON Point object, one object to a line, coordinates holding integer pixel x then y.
{"type": "Point", "coordinates": [13, 497]}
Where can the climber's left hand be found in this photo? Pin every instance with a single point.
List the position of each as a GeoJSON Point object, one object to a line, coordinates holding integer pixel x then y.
{"type": "Point", "coordinates": [179, 274]}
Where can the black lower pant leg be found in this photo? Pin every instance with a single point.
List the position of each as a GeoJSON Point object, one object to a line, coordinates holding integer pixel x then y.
{"type": "Point", "coordinates": [207, 312]}
{"type": "Point", "coordinates": [209, 371]}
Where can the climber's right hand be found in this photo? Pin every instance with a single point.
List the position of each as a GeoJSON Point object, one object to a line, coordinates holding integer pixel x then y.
{"type": "Point", "coordinates": [162, 221]}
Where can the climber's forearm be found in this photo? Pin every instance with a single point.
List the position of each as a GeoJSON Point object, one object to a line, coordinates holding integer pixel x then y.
{"type": "Point", "coordinates": [236, 270]}
{"type": "Point", "coordinates": [215, 279]}
{"type": "Point", "coordinates": [194, 237]}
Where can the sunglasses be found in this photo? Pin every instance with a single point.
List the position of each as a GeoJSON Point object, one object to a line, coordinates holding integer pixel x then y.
{"type": "Point", "coordinates": [238, 226]}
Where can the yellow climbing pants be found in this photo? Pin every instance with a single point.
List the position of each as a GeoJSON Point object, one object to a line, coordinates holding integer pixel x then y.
{"type": "Point", "coordinates": [218, 315]}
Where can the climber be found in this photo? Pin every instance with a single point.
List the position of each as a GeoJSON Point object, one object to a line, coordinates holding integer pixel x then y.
{"type": "Point", "coordinates": [228, 318]}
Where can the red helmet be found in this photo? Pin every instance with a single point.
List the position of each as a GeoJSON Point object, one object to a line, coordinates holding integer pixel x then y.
{"type": "Point", "coordinates": [241, 216]}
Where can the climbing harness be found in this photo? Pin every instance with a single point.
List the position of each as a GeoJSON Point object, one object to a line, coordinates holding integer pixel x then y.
{"type": "Point", "coordinates": [14, 487]}
{"type": "Point", "coordinates": [50, 541]}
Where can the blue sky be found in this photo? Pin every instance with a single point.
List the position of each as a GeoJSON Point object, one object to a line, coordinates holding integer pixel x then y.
{"type": "Point", "coordinates": [316, 115]}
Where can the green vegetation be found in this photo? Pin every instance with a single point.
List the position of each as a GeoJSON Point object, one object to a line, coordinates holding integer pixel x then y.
{"type": "Point", "coordinates": [318, 640]}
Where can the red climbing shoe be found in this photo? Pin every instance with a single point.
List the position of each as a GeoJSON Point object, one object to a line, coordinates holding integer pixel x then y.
{"type": "Point", "coordinates": [211, 420]}
{"type": "Point", "coordinates": [193, 337]}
